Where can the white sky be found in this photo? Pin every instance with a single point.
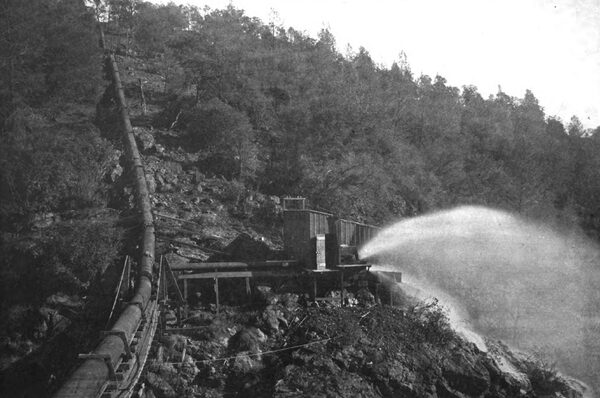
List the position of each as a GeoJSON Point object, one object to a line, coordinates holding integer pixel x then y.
{"type": "Point", "coordinates": [551, 47]}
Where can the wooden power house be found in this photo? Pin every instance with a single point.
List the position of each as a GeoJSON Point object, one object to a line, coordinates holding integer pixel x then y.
{"type": "Point", "coordinates": [320, 241]}
{"type": "Point", "coordinates": [320, 249]}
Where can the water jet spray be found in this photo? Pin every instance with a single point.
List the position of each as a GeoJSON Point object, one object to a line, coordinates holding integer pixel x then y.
{"type": "Point", "coordinates": [513, 279]}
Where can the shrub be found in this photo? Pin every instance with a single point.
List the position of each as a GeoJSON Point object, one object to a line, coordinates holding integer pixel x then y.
{"type": "Point", "coordinates": [226, 136]}
{"type": "Point", "coordinates": [428, 322]}
{"type": "Point", "coordinates": [66, 259]}
{"type": "Point", "coordinates": [45, 167]}
{"type": "Point", "coordinates": [233, 191]}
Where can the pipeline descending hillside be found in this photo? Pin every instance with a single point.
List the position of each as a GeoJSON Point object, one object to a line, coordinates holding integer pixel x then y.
{"type": "Point", "coordinates": [90, 379]}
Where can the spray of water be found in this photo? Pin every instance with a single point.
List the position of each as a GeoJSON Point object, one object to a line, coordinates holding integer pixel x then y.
{"type": "Point", "coordinates": [514, 280]}
{"type": "Point", "coordinates": [422, 290]}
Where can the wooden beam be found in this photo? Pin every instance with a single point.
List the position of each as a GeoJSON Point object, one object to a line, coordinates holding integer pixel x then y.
{"type": "Point", "coordinates": [212, 275]}
{"type": "Point", "coordinates": [185, 329]}
{"type": "Point", "coordinates": [176, 219]}
{"type": "Point", "coordinates": [237, 274]}
{"type": "Point", "coordinates": [234, 264]}
{"type": "Point", "coordinates": [166, 239]}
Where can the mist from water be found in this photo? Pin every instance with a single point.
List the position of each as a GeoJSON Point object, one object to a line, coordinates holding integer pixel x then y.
{"type": "Point", "coordinates": [421, 290]}
{"type": "Point", "coordinates": [511, 279]}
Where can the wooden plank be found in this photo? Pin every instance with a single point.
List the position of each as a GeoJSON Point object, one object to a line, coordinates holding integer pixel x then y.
{"type": "Point", "coordinates": [176, 219]}
{"type": "Point", "coordinates": [234, 264]}
{"type": "Point", "coordinates": [166, 239]}
{"type": "Point", "coordinates": [212, 275]}
{"type": "Point", "coordinates": [239, 274]}
{"type": "Point", "coordinates": [210, 266]}
{"type": "Point", "coordinates": [185, 329]}
{"type": "Point", "coordinates": [353, 266]}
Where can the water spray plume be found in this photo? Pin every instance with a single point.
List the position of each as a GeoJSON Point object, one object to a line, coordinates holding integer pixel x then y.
{"type": "Point", "coordinates": [516, 280]}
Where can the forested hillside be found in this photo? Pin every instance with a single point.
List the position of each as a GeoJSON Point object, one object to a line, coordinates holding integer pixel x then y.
{"type": "Point", "coordinates": [288, 114]}
{"type": "Point", "coordinates": [57, 236]}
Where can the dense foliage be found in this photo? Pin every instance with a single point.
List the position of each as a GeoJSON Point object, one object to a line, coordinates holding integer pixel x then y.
{"type": "Point", "coordinates": [290, 115]}
{"type": "Point", "coordinates": [53, 161]}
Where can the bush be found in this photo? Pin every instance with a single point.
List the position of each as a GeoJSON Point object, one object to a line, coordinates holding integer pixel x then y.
{"type": "Point", "coordinates": [45, 167]}
{"type": "Point", "coordinates": [428, 323]}
{"type": "Point", "coordinates": [226, 136]}
{"type": "Point", "coordinates": [233, 191]}
{"type": "Point", "coordinates": [66, 259]}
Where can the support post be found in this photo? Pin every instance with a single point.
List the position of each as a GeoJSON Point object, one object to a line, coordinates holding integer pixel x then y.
{"type": "Point", "coordinates": [127, 276]}
{"type": "Point", "coordinates": [342, 296]}
{"type": "Point", "coordinates": [314, 283]}
{"type": "Point", "coordinates": [217, 294]}
{"type": "Point", "coordinates": [182, 300]}
{"type": "Point", "coordinates": [185, 290]}
{"type": "Point", "coordinates": [248, 291]}
{"type": "Point", "coordinates": [392, 288]}
{"type": "Point", "coordinates": [165, 286]}
{"type": "Point", "coordinates": [161, 287]}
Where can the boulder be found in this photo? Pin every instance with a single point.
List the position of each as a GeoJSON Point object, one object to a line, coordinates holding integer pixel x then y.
{"type": "Point", "coordinates": [244, 247]}
{"type": "Point", "coordinates": [266, 295]}
{"type": "Point", "coordinates": [273, 318]}
{"type": "Point", "coordinates": [166, 188]}
{"type": "Point", "coordinates": [159, 386]}
{"type": "Point", "coordinates": [115, 173]}
{"type": "Point", "coordinates": [245, 364]}
{"type": "Point", "coordinates": [144, 139]}
{"type": "Point", "coordinates": [248, 339]}
{"type": "Point", "coordinates": [365, 298]}
{"type": "Point", "coordinates": [43, 220]}
{"type": "Point", "coordinates": [64, 301]}
{"type": "Point", "coordinates": [198, 177]}
{"type": "Point", "coordinates": [151, 183]}
{"type": "Point", "coordinates": [466, 373]}
{"type": "Point", "coordinates": [188, 369]}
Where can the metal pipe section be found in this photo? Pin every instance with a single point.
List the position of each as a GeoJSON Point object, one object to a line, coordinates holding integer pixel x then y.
{"type": "Point", "coordinates": [89, 379]}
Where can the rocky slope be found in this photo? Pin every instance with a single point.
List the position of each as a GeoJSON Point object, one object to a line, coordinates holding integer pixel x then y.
{"type": "Point", "coordinates": [281, 348]}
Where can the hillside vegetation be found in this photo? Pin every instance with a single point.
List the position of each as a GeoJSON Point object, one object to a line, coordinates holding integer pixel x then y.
{"type": "Point", "coordinates": [287, 114]}
{"type": "Point", "coordinates": [237, 112]}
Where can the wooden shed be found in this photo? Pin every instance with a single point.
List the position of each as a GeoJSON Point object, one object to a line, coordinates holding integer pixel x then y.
{"type": "Point", "coordinates": [349, 237]}
{"type": "Point", "coordinates": [304, 234]}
